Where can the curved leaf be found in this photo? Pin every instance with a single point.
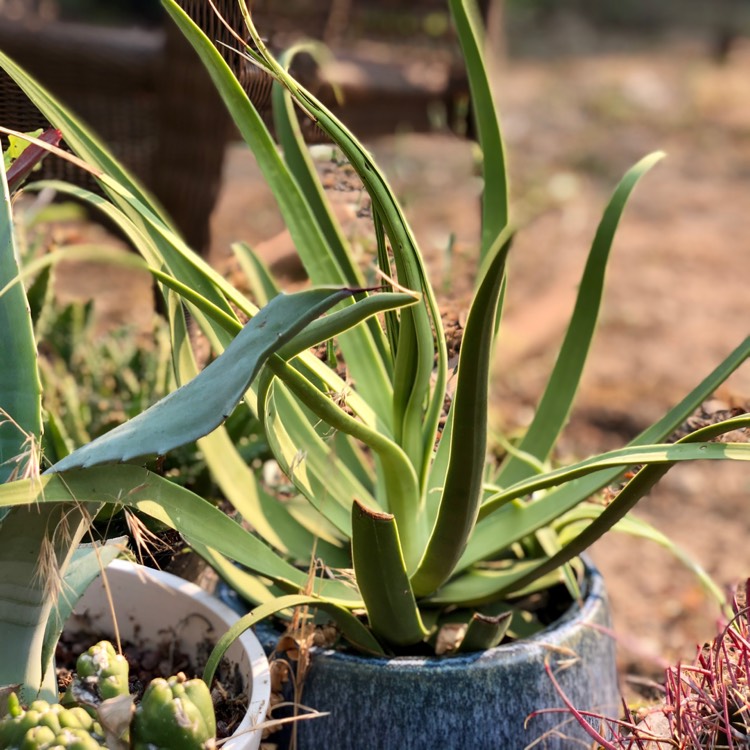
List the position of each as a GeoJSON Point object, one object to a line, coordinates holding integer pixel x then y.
{"type": "Point", "coordinates": [298, 217]}
{"type": "Point", "coordinates": [496, 531]}
{"type": "Point", "coordinates": [174, 506]}
{"type": "Point", "coordinates": [634, 490]}
{"type": "Point", "coordinates": [382, 578]}
{"type": "Point", "coordinates": [495, 213]}
{"type": "Point", "coordinates": [353, 630]}
{"type": "Point", "coordinates": [462, 493]}
{"type": "Point", "coordinates": [201, 405]}
{"type": "Point", "coordinates": [624, 457]}
{"type": "Point", "coordinates": [557, 400]}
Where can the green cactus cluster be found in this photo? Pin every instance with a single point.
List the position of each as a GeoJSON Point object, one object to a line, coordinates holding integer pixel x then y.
{"type": "Point", "coordinates": [174, 714]}
{"type": "Point", "coordinates": [49, 726]}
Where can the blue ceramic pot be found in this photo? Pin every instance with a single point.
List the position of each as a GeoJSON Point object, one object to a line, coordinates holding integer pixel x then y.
{"type": "Point", "coordinates": [476, 701]}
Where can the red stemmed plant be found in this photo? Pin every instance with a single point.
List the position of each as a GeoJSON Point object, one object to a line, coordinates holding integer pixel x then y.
{"type": "Point", "coordinates": [706, 704]}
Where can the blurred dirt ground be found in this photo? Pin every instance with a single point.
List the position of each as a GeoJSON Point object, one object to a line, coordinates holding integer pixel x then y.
{"type": "Point", "coordinates": [676, 302]}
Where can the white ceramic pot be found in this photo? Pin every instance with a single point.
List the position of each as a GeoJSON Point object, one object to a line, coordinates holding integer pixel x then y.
{"type": "Point", "coordinates": [151, 605]}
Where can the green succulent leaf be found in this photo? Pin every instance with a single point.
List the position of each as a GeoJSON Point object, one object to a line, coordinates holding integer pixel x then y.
{"type": "Point", "coordinates": [495, 212]}
{"type": "Point", "coordinates": [570, 525]}
{"type": "Point", "coordinates": [352, 629]}
{"type": "Point", "coordinates": [20, 387]}
{"type": "Point", "coordinates": [301, 221]}
{"type": "Point", "coordinates": [642, 483]}
{"type": "Point", "coordinates": [206, 401]}
{"type": "Point", "coordinates": [416, 401]}
{"type": "Point", "coordinates": [624, 457]}
{"type": "Point", "coordinates": [462, 493]}
{"type": "Point", "coordinates": [484, 631]}
{"type": "Point", "coordinates": [382, 578]}
{"type": "Point", "coordinates": [175, 507]}
{"type": "Point", "coordinates": [501, 529]}
{"type": "Point", "coordinates": [557, 401]}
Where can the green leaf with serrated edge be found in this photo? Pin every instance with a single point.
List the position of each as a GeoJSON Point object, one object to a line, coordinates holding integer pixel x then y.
{"type": "Point", "coordinates": [298, 218]}
{"type": "Point", "coordinates": [351, 628]}
{"type": "Point", "coordinates": [342, 320]}
{"type": "Point", "coordinates": [499, 530]}
{"type": "Point", "coordinates": [495, 214]}
{"type": "Point", "coordinates": [217, 326]}
{"type": "Point", "coordinates": [217, 322]}
{"type": "Point", "coordinates": [205, 402]}
{"type": "Point", "coordinates": [382, 578]}
{"type": "Point", "coordinates": [634, 490]}
{"type": "Point", "coordinates": [177, 508]}
{"type": "Point", "coordinates": [462, 492]}
{"type": "Point", "coordinates": [414, 422]}
{"type": "Point", "coordinates": [557, 401]}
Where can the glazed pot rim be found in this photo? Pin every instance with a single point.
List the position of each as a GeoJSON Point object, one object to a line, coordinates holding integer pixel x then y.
{"type": "Point", "coordinates": [556, 634]}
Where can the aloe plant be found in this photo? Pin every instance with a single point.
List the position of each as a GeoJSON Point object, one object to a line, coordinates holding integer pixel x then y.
{"type": "Point", "coordinates": [424, 521]}
{"type": "Point", "coordinates": [43, 564]}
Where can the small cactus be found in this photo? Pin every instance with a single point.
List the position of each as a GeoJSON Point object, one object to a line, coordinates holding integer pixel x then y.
{"type": "Point", "coordinates": [101, 673]}
{"type": "Point", "coordinates": [48, 726]}
{"type": "Point", "coordinates": [174, 714]}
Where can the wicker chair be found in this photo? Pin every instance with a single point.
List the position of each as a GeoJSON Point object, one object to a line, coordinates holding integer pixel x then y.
{"type": "Point", "coordinates": [147, 95]}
